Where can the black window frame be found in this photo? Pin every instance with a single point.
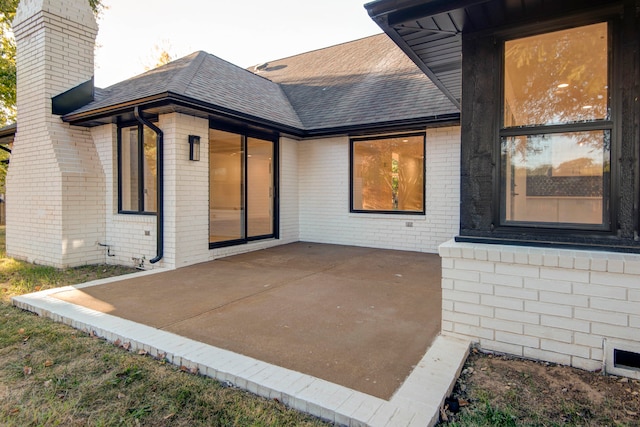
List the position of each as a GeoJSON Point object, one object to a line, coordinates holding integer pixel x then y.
{"type": "Point", "coordinates": [481, 121]}
{"type": "Point", "coordinates": [245, 133]}
{"type": "Point", "coordinates": [354, 139]}
{"type": "Point", "coordinates": [140, 170]}
{"type": "Point", "coordinates": [606, 125]}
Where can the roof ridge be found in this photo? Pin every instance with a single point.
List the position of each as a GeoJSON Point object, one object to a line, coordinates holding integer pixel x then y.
{"type": "Point", "coordinates": [315, 50]}
{"type": "Point", "coordinates": [181, 81]}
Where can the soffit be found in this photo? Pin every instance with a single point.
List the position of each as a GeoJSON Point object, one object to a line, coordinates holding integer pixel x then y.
{"type": "Point", "coordinates": [430, 31]}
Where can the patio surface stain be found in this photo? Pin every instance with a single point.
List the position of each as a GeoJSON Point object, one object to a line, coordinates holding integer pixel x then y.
{"type": "Point", "coordinates": [357, 317]}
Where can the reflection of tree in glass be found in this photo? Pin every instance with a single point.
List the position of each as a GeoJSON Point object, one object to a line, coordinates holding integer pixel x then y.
{"type": "Point", "coordinates": [558, 77]}
{"type": "Point", "coordinates": [392, 174]}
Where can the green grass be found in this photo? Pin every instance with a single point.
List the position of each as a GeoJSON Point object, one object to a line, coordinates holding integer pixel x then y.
{"type": "Point", "coordinates": [53, 375]}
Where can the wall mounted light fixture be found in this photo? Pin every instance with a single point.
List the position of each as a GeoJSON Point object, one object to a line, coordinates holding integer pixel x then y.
{"type": "Point", "coordinates": [194, 147]}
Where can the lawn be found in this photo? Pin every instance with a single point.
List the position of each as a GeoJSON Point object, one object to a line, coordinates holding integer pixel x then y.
{"type": "Point", "coordinates": [51, 374]}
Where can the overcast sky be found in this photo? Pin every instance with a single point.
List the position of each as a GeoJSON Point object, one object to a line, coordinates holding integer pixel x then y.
{"type": "Point", "coordinates": [243, 32]}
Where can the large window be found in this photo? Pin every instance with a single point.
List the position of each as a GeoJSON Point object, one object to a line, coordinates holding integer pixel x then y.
{"type": "Point", "coordinates": [137, 170]}
{"type": "Point", "coordinates": [556, 129]}
{"type": "Point", "coordinates": [387, 174]}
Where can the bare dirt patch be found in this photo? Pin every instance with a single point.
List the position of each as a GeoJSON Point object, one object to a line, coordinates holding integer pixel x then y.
{"type": "Point", "coordinates": [503, 390]}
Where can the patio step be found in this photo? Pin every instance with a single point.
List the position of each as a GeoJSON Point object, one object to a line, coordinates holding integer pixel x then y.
{"type": "Point", "coordinates": [416, 403]}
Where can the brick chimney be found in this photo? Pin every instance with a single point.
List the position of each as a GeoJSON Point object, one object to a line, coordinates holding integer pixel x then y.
{"type": "Point", "coordinates": [55, 184]}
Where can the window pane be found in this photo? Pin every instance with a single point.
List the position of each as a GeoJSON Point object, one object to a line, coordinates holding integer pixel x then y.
{"type": "Point", "coordinates": [260, 187]}
{"type": "Point", "coordinates": [150, 171]}
{"type": "Point", "coordinates": [388, 174]}
{"type": "Point", "coordinates": [556, 178]}
{"type": "Point", "coordinates": [226, 174]}
{"type": "Point", "coordinates": [558, 77]}
{"type": "Point", "coordinates": [129, 169]}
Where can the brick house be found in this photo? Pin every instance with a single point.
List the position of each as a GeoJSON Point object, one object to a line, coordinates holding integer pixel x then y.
{"type": "Point", "coordinates": [391, 141]}
{"type": "Point", "coordinates": [88, 163]}
{"type": "Point", "coordinates": [545, 263]}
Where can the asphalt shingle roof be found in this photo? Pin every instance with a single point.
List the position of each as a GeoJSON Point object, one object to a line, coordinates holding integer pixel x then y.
{"type": "Point", "coordinates": [205, 78]}
{"type": "Point", "coordinates": [370, 80]}
{"type": "Point", "coordinates": [367, 81]}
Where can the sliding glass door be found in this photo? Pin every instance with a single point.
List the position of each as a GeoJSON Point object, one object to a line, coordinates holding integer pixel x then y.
{"type": "Point", "coordinates": [242, 188]}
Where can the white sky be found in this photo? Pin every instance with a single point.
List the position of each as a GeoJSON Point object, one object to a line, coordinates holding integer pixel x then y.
{"type": "Point", "coordinates": [243, 32]}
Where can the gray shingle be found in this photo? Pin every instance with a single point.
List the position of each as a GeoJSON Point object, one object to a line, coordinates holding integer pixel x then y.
{"type": "Point", "coordinates": [367, 81]}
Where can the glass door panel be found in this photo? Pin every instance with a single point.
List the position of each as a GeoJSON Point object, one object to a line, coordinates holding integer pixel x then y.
{"type": "Point", "coordinates": [226, 182]}
{"type": "Point", "coordinates": [260, 187]}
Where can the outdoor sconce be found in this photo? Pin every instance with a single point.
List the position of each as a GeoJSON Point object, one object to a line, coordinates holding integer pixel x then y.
{"type": "Point", "coordinates": [194, 148]}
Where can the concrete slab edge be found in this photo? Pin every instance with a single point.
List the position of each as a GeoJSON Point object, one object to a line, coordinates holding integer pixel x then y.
{"type": "Point", "coordinates": [416, 403]}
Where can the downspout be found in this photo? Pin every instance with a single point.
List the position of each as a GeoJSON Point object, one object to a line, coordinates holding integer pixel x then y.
{"type": "Point", "coordinates": [159, 186]}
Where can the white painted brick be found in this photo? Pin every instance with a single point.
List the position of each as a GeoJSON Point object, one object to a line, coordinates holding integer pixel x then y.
{"type": "Point", "coordinates": [517, 316]}
{"type": "Point", "coordinates": [634, 322]}
{"type": "Point", "coordinates": [468, 276]}
{"type": "Point", "coordinates": [548, 356]}
{"type": "Point", "coordinates": [502, 302]}
{"type": "Point", "coordinates": [612, 318]}
{"type": "Point", "coordinates": [547, 308]}
{"type": "Point", "coordinates": [547, 332]}
{"type": "Point", "coordinates": [465, 286]}
{"type": "Point", "coordinates": [594, 290]}
{"type": "Point", "coordinates": [501, 325]}
{"type": "Point", "coordinates": [610, 331]}
{"type": "Point", "coordinates": [614, 279]}
{"type": "Point", "coordinates": [472, 331]}
{"type": "Point", "coordinates": [469, 297]}
{"type": "Point", "coordinates": [634, 295]}
{"type": "Point", "coordinates": [517, 339]}
{"type": "Point", "coordinates": [597, 354]}
{"type": "Point", "coordinates": [564, 348]}
{"type": "Point", "coordinates": [501, 347]}
{"type": "Point", "coordinates": [525, 271]}
{"type": "Point", "coordinates": [548, 285]}
{"type": "Point", "coordinates": [476, 309]}
{"type": "Point", "coordinates": [522, 294]}
{"type": "Point", "coordinates": [588, 340]}
{"type": "Point", "coordinates": [564, 323]}
{"type": "Point", "coordinates": [564, 299]}
{"type": "Point", "coordinates": [474, 265]}
{"type": "Point", "coordinates": [614, 306]}
{"type": "Point", "coordinates": [501, 279]}
{"type": "Point", "coordinates": [586, 364]}
{"type": "Point", "coordinates": [562, 274]}
{"type": "Point", "coordinates": [458, 317]}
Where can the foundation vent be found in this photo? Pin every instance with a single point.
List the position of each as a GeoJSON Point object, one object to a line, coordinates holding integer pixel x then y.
{"type": "Point", "coordinates": [626, 359]}
{"type": "Point", "coordinates": [622, 358]}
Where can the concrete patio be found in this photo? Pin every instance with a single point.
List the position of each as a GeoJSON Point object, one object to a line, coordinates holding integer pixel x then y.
{"type": "Point", "coordinates": [349, 334]}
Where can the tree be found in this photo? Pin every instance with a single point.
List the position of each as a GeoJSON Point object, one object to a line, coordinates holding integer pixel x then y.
{"type": "Point", "coordinates": [8, 58]}
{"type": "Point", "coordinates": [161, 55]}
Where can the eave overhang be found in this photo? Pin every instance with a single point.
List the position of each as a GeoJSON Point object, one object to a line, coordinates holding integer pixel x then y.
{"type": "Point", "coordinates": [164, 103]}
{"type": "Point", "coordinates": [430, 31]}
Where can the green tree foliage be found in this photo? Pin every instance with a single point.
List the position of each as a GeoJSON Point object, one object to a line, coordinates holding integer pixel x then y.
{"type": "Point", "coordinates": [8, 58]}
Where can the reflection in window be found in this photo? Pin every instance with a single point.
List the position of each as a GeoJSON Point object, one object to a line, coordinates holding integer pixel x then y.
{"type": "Point", "coordinates": [559, 77]}
{"type": "Point", "coordinates": [556, 178]}
{"type": "Point", "coordinates": [138, 177]}
{"type": "Point", "coordinates": [388, 174]}
{"type": "Point", "coordinates": [552, 176]}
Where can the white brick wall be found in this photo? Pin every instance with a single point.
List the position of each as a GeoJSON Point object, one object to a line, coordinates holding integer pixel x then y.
{"type": "Point", "coordinates": [55, 185]}
{"type": "Point", "coordinates": [556, 305]}
{"type": "Point", "coordinates": [324, 198]}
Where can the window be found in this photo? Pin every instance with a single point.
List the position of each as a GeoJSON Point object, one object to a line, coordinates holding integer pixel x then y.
{"type": "Point", "coordinates": [137, 170]}
{"type": "Point", "coordinates": [556, 130]}
{"type": "Point", "coordinates": [242, 188]}
{"type": "Point", "coordinates": [387, 174]}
